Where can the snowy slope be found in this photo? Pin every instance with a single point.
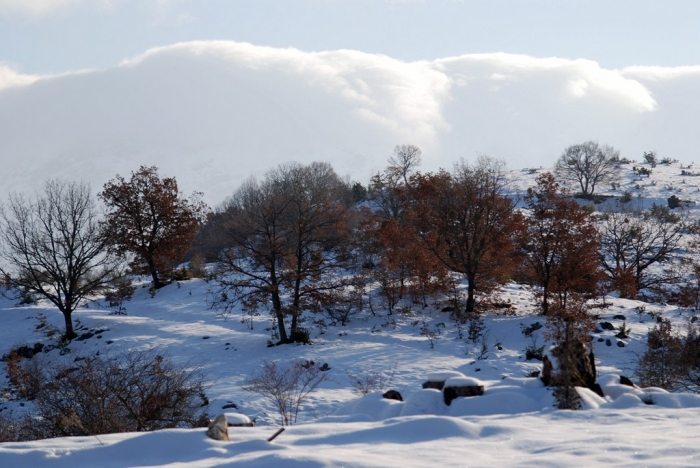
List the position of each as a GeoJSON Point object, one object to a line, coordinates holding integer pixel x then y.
{"type": "Point", "coordinates": [513, 424]}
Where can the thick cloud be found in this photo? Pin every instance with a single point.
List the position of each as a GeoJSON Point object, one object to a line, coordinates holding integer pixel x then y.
{"type": "Point", "coordinates": [213, 113]}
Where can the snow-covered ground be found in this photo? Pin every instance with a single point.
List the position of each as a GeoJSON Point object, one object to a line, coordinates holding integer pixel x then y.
{"type": "Point", "coordinates": [513, 424]}
{"type": "Point", "coordinates": [681, 179]}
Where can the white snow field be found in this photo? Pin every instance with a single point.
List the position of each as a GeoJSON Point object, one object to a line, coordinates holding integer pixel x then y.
{"type": "Point", "coordinates": [514, 423]}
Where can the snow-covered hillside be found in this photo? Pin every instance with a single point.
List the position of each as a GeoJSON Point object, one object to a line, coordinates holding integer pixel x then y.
{"type": "Point", "coordinates": [674, 178]}
{"type": "Point", "coordinates": [513, 424]}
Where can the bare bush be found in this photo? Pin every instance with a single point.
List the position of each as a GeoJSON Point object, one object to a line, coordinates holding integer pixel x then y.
{"type": "Point", "coordinates": [134, 391]}
{"type": "Point", "coordinates": [11, 429]}
{"type": "Point", "coordinates": [287, 386]}
{"type": "Point", "coordinates": [371, 380]}
{"type": "Point", "coordinates": [347, 304]}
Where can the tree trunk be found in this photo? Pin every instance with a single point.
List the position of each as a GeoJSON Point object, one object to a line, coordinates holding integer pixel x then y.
{"type": "Point", "coordinates": [280, 326]}
{"type": "Point", "coordinates": [157, 284]}
{"type": "Point", "coordinates": [471, 302]}
{"type": "Point", "coordinates": [70, 333]}
{"type": "Point", "coordinates": [545, 302]}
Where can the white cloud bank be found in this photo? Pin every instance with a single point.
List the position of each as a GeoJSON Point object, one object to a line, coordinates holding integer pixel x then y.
{"type": "Point", "coordinates": [212, 113]}
{"type": "Point", "coordinates": [35, 6]}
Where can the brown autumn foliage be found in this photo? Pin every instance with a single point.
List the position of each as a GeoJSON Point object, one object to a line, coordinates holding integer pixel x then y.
{"type": "Point", "coordinates": [467, 223]}
{"type": "Point", "coordinates": [623, 281]}
{"type": "Point", "coordinates": [148, 217]}
{"type": "Point", "coordinates": [403, 269]}
{"type": "Point", "coordinates": [560, 247]}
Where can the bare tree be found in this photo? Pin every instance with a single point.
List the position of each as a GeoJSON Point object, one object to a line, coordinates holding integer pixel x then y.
{"type": "Point", "coordinates": [588, 164]}
{"type": "Point", "coordinates": [405, 159]}
{"type": "Point", "coordinates": [286, 238]}
{"type": "Point", "coordinates": [632, 242]}
{"type": "Point", "coordinates": [388, 188]}
{"type": "Point", "coordinates": [55, 247]}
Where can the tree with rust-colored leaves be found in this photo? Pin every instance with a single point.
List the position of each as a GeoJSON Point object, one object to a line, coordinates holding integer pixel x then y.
{"type": "Point", "coordinates": [149, 218]}
{"type": "Point", "coordinates": [560, 246]}
{"type": "Point", "coordinates": [467, 222]}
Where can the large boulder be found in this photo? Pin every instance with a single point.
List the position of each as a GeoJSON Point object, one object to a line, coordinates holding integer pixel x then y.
{"type": "Point", "coordinates": [392, 395]}
{"type": "Point", "coordinates": [461, 387]}
{"type": "Point", "coordinates": [582, 373]}
{"type": "Point", "coordinates": [239, 420]}
{"type": "Point", "coordinates": [218, 428]}
{"type": "Point", "coordinates": [437, 380]}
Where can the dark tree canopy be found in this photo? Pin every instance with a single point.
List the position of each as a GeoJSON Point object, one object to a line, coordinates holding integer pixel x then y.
{"type": "Point", "coordinates": [55, 247]}
{"type": "Point", "coordinates": [285, 237]}
{"type": "Point", "coordinates": [588, 165]}
{"type": "Point", "coordinates": [148, 217]}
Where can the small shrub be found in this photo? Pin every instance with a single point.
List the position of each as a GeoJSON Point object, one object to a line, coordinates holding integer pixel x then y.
{"type": "Point", "coordinates": [301, 335]}
{"type": "Point", "coordinates": [663, 213]}
{"type": "Point", "coordinates": [623, 331]}
{"type": "Point", "coordinates": [181, 274]}
{"type": "Point", "coordinates": [533, 350]}
{"type": "Point", "coordinates": [650, 158]}
{"type": "Point", "coordinates": [23, 374]}
{"type": "Point", "coordinates": [673, 202]}
{"type": "Point", "coordinates": [370, 380]}
{"type": "Point", "coordinates": [123, 291]}
{"type": "Point", "coordinates": [432, 335]}
{"type": "Point", "coordinates": [345, 305]}
{"type": "Point", "coordinates": [25, 297]}
{"type": "Point", "coordinates": [287, 387]}
{"type": "Point", "coordinates": [475, 327]}
{"type": "Point", "coordinates": [661, 365]}
{"type": "Point", "coordinates": [626, 197]}
{"type": "Point", "coordinates": [642, 171]}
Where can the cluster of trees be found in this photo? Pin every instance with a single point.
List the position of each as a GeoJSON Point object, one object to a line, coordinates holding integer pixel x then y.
{"type": "Point", "coordinates": [303, 239]}
{"type": "Point", "coordinates": [57, 247]}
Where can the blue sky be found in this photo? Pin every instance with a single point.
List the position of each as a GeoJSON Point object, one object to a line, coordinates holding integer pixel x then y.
{"type": "Point", "coordinates": [52, 36]}
{"type": "Point", "coordinates": [214, 91]}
